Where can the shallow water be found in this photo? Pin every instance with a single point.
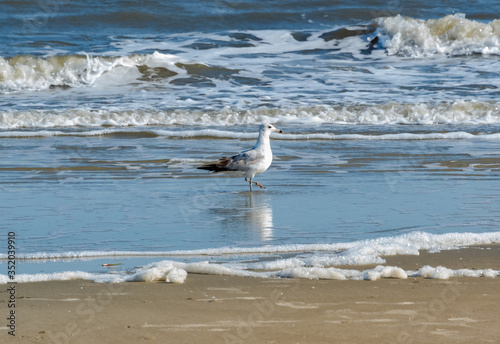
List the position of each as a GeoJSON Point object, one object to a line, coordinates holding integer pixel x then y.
{"type": "Point", "coordinates": [145, 195]}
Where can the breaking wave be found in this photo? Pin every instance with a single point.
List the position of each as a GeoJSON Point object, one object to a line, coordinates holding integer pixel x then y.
{"type": "Point", "coordinates": [459, 112]}
{"type": "Point", "coordinates": [34, 73]}
{"type": "Point", "coordinates": [451, 35]}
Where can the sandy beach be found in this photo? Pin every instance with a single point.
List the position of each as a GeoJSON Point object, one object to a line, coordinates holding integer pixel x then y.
{"type": "Point", "coordinates": [224, 309]}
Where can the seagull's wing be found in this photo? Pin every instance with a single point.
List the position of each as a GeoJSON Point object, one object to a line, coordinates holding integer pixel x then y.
{"type": "Point", "coordinates": [244, 160]}
{"type": "Point", "coordinates": [239, 162]}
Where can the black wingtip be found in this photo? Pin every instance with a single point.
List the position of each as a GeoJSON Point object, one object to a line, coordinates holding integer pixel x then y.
{"type": "Point", "coordinates": [211, 167]}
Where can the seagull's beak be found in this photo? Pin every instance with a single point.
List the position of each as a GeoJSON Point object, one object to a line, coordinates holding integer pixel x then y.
{"type": "Point", "coordinates": [278, 131]}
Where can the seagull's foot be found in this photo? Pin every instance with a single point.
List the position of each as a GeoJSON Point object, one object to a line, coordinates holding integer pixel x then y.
{"type": "Point", "coordinates": [256, 183]}
{"type": "Point", "coordinates": [259, 185]}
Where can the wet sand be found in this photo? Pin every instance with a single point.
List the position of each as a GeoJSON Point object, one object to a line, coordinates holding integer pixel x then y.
{"type": "Point", "coordinates": [224, 309]}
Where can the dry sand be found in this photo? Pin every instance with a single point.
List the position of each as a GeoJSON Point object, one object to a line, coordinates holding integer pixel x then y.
{"type": "Point", "coordinates": [223, 309]}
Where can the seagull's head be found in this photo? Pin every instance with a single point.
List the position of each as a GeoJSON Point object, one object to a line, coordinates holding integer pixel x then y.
{"type": "Point", "coordinates": [268, 128]}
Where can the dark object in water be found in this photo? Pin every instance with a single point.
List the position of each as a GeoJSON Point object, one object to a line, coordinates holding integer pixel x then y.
{"type": "Point", "coordinates": [63, 87]}
{"type": "Point", "coordinates": [344, 33]}
{"type": "Point", "coordinates": [301, 36]}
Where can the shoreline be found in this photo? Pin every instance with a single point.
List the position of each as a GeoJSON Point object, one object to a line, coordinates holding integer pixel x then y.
{"type": "Point", "coordinates": [228, 309]}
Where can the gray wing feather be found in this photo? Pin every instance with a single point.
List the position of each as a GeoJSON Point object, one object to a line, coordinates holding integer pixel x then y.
{"type": "Point", "coordinates": [243, 160]}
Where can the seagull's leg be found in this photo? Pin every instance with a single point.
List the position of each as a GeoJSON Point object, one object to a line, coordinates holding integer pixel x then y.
{"type": "Point", "coordinates": [249, 181]}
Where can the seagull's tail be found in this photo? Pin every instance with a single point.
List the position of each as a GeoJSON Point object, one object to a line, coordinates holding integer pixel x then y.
{"type": "Point", "coordinates": [219, 166]}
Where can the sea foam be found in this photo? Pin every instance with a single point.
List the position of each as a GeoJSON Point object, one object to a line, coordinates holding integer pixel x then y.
{"type": "Point", "coordinates": [311, 261]}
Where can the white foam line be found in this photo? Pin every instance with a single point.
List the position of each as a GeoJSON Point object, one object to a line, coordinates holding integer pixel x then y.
{"type": "Point", "coordinates": [238, 135]}
{"type": "Point", "coordinates": [409, 243]}
{"type": "Point", "coordinates": [314, 263]}
{"type": "Point", "coordinates": [327, 136]}
{"type": "Point", "coordinates": [40, 121]}
{"type": "Point", "coordinates": [52, 133]}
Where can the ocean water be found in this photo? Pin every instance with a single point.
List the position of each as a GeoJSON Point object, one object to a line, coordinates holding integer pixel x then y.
{"type": "Point", "coordinates": [390, 143]}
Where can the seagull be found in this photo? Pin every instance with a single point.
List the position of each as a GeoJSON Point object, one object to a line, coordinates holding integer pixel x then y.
{"type": "Point", "coordinates": [251, 162]}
